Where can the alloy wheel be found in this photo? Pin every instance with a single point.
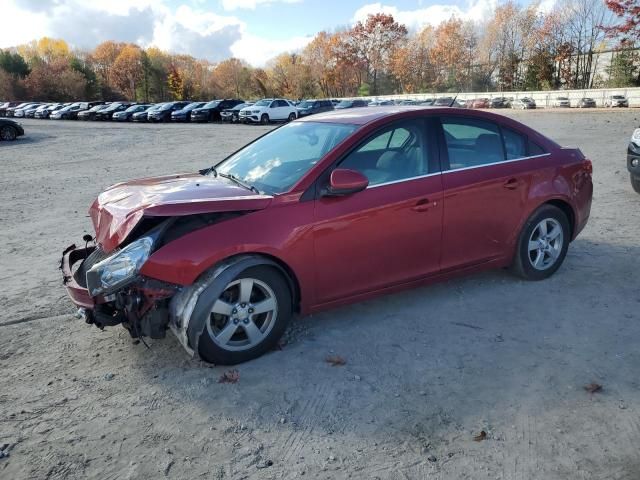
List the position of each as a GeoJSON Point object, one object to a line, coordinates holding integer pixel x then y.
{"type": "Point", "coordinates": [243, 315]}
{"type": "Point", "coordinates": [545, 244]}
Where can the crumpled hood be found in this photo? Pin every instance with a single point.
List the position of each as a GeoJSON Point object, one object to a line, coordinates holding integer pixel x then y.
{"type": "Point", "coordinates": [117, 210]}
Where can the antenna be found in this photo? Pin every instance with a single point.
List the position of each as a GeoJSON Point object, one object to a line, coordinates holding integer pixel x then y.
{"type": "Point", "coordinates": [453, 101]}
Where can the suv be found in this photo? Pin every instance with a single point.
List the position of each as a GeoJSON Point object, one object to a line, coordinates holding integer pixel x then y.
{"type": "Point", "coordinates": [210, 112]}
{"type": "Point", "coordinates": [163, 114]}
{"type": "Point", "coordinates": [269, 110]}
{"type": "Point", "coordinates": [616, 101]}
{"type": "Point", "coordinates": [351, 104]}
{"type": "Point", "coordinates": [633, 160]}
{"type": "Point", "coordinates": [309, 107]}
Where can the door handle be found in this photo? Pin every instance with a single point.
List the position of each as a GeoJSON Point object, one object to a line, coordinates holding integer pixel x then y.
{"type": "Point", "coordinates": [423, 205]}
{"type": "Point", "coordinates": [511, 184]}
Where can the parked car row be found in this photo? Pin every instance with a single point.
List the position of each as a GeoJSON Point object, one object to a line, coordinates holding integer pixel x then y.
{"type": "Point", "coordinates": [263, 111]}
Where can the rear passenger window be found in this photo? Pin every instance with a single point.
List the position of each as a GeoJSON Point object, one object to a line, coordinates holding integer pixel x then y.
{"type": "Point", "coordinates": [514, 144]}
{"type": "Point", "coordinates": [535, 149]}
{"type": "Point", "coordinates": [471, 142]}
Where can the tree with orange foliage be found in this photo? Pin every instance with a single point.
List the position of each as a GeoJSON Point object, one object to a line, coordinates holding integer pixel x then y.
{"type": "Point", "coordinates": [128, 70]}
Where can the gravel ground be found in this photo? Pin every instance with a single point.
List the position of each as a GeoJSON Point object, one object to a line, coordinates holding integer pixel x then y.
{"type": "Point", "coordinates": [426, 370]}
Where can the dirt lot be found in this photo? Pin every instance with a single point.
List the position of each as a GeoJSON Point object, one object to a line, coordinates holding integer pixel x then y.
{"type": "Point", "coordinates": [426, 370]}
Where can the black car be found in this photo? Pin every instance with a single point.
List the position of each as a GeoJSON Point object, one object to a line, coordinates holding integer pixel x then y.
{"type": "Point", "coordinates": [10, 130]}
{"type": "Point", "coordinates": [351, 104]}
{"type": "Point", "coordinates": [233, 114]}
{"type": "Point", "coordinates": [184, 114]}
{"type": "Point", "coordinates": [91, 113]}
{"type": "Point", "coordinates": [84, 107]}
{"type": "Point", "coordinates": [310, 107]}
{"type": "Point", "coordinates": [499, 102]}
{"type": "Point", "coordinates": [633, 160]}
{"type": "Point", "coordinates": [163, 114]}
{"type": "Point", "coordinates": [143, 116]}
{"type": "Point", "coordinates": [5, 105]}
{"type": "Point", "coordinates": [210, 112]}
{"type": "Point", "coordinates": [107, 113]}
{"type": "Point", "coordinates": [127, 115]}
{"type": "Point", "coordinates": [586, 102]}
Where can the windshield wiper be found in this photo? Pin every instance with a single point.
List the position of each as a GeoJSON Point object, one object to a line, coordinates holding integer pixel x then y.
{"type": "Point", "coordinates": [236, 180]}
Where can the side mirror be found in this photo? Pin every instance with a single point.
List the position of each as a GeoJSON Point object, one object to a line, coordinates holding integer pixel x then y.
{"type": "Point", "coordinates": [345, 182]}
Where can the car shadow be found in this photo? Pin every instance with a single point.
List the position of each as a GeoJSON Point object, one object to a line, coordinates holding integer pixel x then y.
{"type": "Point", "coordinates": [427, 367]}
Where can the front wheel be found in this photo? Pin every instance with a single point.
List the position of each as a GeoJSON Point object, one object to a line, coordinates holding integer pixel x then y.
{"type": "Point", "coordinates": [542, 244]}
{"type": "Point", "coordinates": [264, 119]}
{"type": "Point", "coordinates": [248, 318]}
{"type": "Point", "coordinates": [635, 183]}
{"type": "Point", "coordinates": [8, 133]}
{"type": "Point", "coordinates": [292, 117]}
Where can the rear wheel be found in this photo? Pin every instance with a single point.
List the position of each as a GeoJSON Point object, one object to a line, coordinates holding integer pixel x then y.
{"type": "Point", "coordinates": [635, 183]}
{"type": "Point", "coordinates": [543, 244]}
{"type": "Point", "coordinates": [8, 133]}
{"type": "Point", "coordinates": [248, 318]}
{"type": "Point", "coordinates": [264, 119]}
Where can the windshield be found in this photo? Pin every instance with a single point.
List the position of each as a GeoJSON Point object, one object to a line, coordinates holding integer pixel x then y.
{"type": "Point", "coordinates": [345, 103]}
{"type": "Point", "coordinates": [275, 162]}
{"type": "Point", "coordinates": [135, 108]}
{"type": "Point", "coordinates": [166, 106]}
{"type": "Point", "coordinates": [617, 96]}
{"type": "Point", "coordinates": [113, 106]}
{"type": "Point", "coordinates": [263, 103]}
{"type": "Point", "coordinates": [306, 104]}
{"type": "Point", "coordinates": [191, 106]}
{"type": "Point", "coordinates": [212, 104]}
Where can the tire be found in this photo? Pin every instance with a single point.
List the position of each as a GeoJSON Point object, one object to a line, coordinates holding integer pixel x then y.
{"type": "Point", "coordinates": [536, 258]}
{"type": "Point", "coordinates": [292, 117]}
{"type": "Point", "coordinates": [264, 119]}
{"type": "Point", "coordinates": [8, 133]}
{"type": "Point", "coordinates": [267, 284]}
{"type": "Point", "coordinates": [635, 183]}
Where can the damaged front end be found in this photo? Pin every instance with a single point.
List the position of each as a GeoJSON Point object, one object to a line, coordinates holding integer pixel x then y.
{"type": "Point", "coordinates": [108, 289]}
{"type": "Point", "coordinates": [133, 220]}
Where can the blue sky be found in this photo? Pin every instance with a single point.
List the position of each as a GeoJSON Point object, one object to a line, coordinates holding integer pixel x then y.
{"type": "Point", "coordinates": [254, 30]}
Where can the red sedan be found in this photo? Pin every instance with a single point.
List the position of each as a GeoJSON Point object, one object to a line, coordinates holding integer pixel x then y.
{"type": "Point", "coordinates": [331, 209]}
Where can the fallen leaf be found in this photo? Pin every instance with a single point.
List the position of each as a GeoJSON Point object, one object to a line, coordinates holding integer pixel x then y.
{"type": "Point", "coordinates": [335, 360]}
{"type": "Point", "coordinates": [481, 436]}
{"type": "Point", "coordinates": [593, 388]}
{"type": "Point", "coordinates": [232, 376]}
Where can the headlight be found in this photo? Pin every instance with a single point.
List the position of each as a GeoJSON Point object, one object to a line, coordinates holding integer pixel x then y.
{"type": "Point", "coordinates": [635, 138]}
{"type": "Point", "coordinates": [120, 268]}
{"type": "Point", "coordinates": [255, 111]}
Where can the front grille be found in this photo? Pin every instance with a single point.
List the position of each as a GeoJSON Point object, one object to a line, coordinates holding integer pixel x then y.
{"type": "Point", "coordinates": [80, 275]}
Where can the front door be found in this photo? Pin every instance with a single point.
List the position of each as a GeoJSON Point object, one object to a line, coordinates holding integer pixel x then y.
{"type": "Point", "coordinates": [389, 233]}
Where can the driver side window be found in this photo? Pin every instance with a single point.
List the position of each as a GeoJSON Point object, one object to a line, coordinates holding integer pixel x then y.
{"type": "Point", "coordinates": [392, 155]}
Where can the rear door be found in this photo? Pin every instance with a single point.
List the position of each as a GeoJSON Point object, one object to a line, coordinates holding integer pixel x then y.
{"type": "Point", "coordinates": [486, 180]}
{"type": "Point", "coordinates": [390, 232]}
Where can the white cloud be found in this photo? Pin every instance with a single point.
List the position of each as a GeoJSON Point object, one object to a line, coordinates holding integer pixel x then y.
{"type": "Point", "coordinates": [251, 4]}
{"type": "Point", "coordinates": [182, 29]}
{"type": "Point", "coordinates": [478, 11]}
{"type": "Point", "coordinates": [257, 51]}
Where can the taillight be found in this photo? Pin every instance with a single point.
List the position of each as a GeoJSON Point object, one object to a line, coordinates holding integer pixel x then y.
{"type": "Point", "coordinates": [588, 166]}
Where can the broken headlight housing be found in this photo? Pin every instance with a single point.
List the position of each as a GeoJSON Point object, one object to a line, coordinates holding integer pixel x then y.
{"type": "Point", "coordinates": [120, 268]}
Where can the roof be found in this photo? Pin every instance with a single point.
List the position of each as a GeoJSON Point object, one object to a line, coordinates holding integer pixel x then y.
{"type": "Point", "coordinates": [364, 115]}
